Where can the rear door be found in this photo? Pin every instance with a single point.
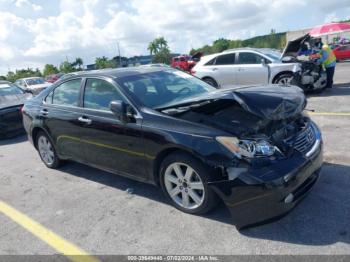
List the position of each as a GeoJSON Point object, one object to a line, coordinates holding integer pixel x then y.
{"type": "Point", "coordinates": [224, 70]}
{"type": "Point", "coordinates": [60, 114]}
{"type": "Point", "coordinates": [108, 142]}
{"type": "Point", "coordinates": [251, 70]}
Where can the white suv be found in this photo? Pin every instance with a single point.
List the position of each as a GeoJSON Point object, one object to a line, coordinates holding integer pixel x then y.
{"type": "Point", "coordinates": [245, 66]}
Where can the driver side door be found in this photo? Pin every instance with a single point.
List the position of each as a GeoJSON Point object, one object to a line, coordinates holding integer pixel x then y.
{"type": "Point", "coordinates": [108, 142]}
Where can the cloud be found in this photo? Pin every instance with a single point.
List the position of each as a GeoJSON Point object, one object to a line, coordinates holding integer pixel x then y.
{"type": "Point", "coordinates": [34, 34]}
{"type": "Point", "coordinates": [25, 3]}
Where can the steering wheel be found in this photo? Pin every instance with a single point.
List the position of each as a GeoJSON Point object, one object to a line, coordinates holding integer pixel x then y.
{"type": "Point", "coordinates": [184, 90]}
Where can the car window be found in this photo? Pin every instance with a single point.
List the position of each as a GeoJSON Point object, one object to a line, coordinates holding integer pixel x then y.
{"type": "Point", "coordinates": [99, 93]}
{"type": "Point", "coordinates": [9, 89]}
{"type": "Point", "coordinates": [156, 89]}
{"type": "Point", "coordinates": [67, 93]}
{"type": "Point", "coordinates": [344, 48]}
{"type": "Point", "coordinates": [35, 81]}
{"type": "Point", "coordinates": [228, 59]}
{"type": "Point", "coordinates": [211, 62]}
{"type": "Point", "coordinates": [249, 58]}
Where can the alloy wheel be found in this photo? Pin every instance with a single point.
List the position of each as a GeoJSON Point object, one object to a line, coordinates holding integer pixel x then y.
{"type": "Point", "coordinates": [184, 185]}
{"type": "Point", "coordinates": [46, 150]}
{"type": "Point", "coordinates": [285, 80]}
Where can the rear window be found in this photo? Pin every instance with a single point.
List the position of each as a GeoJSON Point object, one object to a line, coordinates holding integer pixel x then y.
{"type": "Point", "coordinates": [9, 89]}
{"type": "Point", "coordinates": [228, 59]}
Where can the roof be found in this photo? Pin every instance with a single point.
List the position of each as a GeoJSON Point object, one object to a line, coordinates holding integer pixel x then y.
{"type": "Point", "coordinates": [121, 72]}
{"type": "Point", "coordinates": [248, 48]}
{"type": "Point", "coordinates": [33, 77]}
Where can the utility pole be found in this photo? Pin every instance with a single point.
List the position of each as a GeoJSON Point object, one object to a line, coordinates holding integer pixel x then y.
{"type": "Point", "coordinates": [120, 59]}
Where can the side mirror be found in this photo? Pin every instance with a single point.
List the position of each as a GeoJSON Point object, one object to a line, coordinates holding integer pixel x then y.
{"type": "Point", "coordinates": [28, 91]}
{"type": "Point", "coordinates": [263, 61]}
{"type": "Point", "coordinates": [119, 108]}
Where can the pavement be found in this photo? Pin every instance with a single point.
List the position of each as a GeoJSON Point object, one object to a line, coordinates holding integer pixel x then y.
{"type": "Point", "coordinates": [102, 213]}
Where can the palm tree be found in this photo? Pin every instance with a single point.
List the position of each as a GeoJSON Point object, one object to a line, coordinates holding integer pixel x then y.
{"type": "Point", "coordinates": [161, 42]}
{"type": "Point", "coordinates": [78, 62]}
{"type": "Point", "coordinates": [153, 47]}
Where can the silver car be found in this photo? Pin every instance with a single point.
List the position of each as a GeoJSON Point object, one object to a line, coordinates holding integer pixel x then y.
{"type": "Point", "coordinates": [33, 84]}
{"type": "Point", "coordinates": [245, 66]}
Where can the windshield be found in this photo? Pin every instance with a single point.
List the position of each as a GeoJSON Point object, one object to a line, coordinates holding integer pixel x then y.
{"type": "Point", "coordinates": [163, 88]}
{"type": "Point", "coordinates": [35, 81]}
{"type": "Point", "coordinates": [273, 54]}
{"type": "Point", "coordinates": [9, 89]}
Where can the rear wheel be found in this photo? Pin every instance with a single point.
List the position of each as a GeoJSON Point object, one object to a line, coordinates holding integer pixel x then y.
{"type": "Point", "coordinates": [184, 182]}
{"type": "Point", "coordinates": [46, 151]}
{"type": "Point", "coordinates": [210, 81]}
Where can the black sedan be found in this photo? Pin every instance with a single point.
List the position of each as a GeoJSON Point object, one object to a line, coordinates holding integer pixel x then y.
{"type": "Point", "coordinates": [251, 147]}
{"type": "Point", "coordinates": [12, 99]}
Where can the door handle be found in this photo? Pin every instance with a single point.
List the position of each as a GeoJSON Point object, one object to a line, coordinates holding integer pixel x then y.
{"type": "Point", "coordinates": [84, 120]}
{"type": "Point", "coordinates": [44, 112]}
{"type": "Point", "coordinates": [240, 69]}
{"type": "Point", "coordinates": [214, 69]}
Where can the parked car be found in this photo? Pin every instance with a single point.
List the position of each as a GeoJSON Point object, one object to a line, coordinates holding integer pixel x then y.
{"type": "Point", "coordinates": [53, 78]}
{"type": "Point", "coordinates": [252, 147]}
{"type": "Point", "coordinates": [12, 99]}
{"type": "Point", "coordinates": [342, 52]}
{"type": "Point", "coordinates": [185, 62]}
{"type": "Point", "coordinates": [33, 84]}
{"type": "Point", "coordinates": [244, 66]}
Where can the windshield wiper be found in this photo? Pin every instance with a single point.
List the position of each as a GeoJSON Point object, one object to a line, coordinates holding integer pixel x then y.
{"type": "Point", "coordinates": [179, 108]}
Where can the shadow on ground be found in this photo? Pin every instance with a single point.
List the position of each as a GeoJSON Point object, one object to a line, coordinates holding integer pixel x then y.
{"type": "Point", "coordinates": [14, 140]}
{"type": "Point", "coordinates": [321, 219]}
{"type": "Point", "coordinates": [342, 89]}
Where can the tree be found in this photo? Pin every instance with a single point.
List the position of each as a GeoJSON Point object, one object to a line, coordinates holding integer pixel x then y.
{"type": "Point", "coordinates": [66, 67]}
{"type": "Point", "coordinates": [159, 48]}
{"type": "Point", "coordinates": [152, 47]}
{"type": "Point", "coordinates": [50, 69]}
{"type": "Point", "coordinates": [103, 62]}
{"type": "Point", "coordinates": [220, 45]}
{"type": "Point", "coordinates": [78, 63]}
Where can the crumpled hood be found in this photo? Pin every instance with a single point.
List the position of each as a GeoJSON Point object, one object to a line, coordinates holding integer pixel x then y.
{"type": "Point", "coordinates": [270, 102]}
{"type": "Point", "coordinates": [292, 47]}
{"type": "Point", "coordinates": [13, 100]}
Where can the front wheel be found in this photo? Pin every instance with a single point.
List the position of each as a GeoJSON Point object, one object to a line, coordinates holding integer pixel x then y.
{"type": "Point", "coordinates": [284, 79]}
{"type": "Point", "coordinates": [184, 182]}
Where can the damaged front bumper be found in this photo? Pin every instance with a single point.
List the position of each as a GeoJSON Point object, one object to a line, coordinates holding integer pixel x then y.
{"type": "Point", "coordinates": [251, 202]}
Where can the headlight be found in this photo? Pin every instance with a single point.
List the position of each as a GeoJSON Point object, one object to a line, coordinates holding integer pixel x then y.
{"type": "Point", "coordinates": [247, 148]}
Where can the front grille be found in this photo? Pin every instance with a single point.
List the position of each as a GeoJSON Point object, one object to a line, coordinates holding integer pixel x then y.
{"type": "Point", "coordinates": [303, 141]}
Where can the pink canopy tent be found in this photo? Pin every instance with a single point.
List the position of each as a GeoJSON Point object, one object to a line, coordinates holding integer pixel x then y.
{"type": "Point", "coordinates": [331, 28]}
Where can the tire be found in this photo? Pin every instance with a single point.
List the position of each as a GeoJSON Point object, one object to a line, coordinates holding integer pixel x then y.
{"type": "Point", "coordinates": [47, 151]}
{"type": "Point", "coordinates": [210, 81]}
{"type": "Point", "coordinates": [198, 200]}
{"type": "Point", "coordinates": [283, 79]}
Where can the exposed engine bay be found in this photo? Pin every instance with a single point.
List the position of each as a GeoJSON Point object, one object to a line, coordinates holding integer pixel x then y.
{"type": "Point", "coordinates": [311, 75]}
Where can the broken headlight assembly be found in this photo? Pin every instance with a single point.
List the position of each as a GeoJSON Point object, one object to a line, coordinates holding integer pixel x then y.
{"type": "Point", "coordinates": [247, 148]}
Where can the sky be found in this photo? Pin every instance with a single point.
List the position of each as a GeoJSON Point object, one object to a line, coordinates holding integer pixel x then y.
{"type": "Point", "coordinates": [38, 32]}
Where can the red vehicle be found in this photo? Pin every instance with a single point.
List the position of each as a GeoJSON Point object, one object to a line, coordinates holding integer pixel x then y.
{"type": "Point", "coordinates": [342, 52]}
{"type": "Point", "coordinates": [185, 62]}
{"type": "Point", "coordinates": [53, 78]}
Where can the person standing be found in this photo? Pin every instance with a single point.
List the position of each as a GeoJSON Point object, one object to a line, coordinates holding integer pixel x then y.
{"type": "Point", "coordinates": [329, 61]}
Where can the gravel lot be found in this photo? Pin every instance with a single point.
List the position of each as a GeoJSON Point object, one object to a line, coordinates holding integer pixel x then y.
{"type": "Point", "coordinates": [93, 210]}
